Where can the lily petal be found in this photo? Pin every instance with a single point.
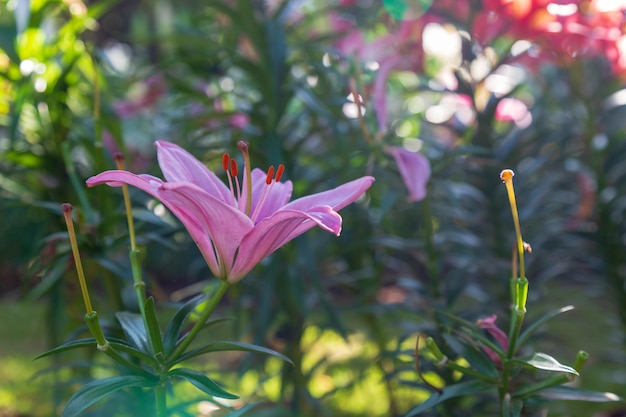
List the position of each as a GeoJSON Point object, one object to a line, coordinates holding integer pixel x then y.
{"type": "Point", "coordinates": [275, 231]}
{"type": "Point", "coordinates": [337, 198]}
{"type": "Point", "coordinates": [178, 165]}
{"type": "Point", "coordinates": [215, 226]}
{"type": "Point", "coordinates": [414, 169]}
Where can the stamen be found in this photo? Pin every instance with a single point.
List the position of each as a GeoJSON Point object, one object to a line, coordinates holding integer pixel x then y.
{"type": "Point", "coordinates": [266, 191]}
{"type": "Point", "coordinates": [270, 175]}
{"type": "Point", "coordinates": [233, 173]}
{"type": "Point", "coordinates": [227, 162]}
{"type": "Point", "coordinates": [279, 172]}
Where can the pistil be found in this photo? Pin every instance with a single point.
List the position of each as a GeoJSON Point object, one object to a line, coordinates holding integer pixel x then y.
{"type": "Point", "coordinates": [243, 147]}
{"type": "Point", "coordinates": [270, 179]}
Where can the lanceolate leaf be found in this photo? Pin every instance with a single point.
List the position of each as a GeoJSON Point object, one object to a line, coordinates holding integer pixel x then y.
{"type": "Point", "coordinates": [118, 344]}
{"type": "Point", "coordinates": [533, 327]}
{"type": "Point", "coordinates": [451, 391]}
{"type": "Point", "coordinates": [96, 390]}
{"type": "Point", "coordinates": [153, 326]}
{"type": "Point", "coordinates": [220, 346]}
{"type": "Point", "coordinates": [202, 382]}
{"type": "Point", "coordinates": [174, 326]}
{"type": "Point", "coordinates": [477, 359]}
{"type": "Point", "coordinates": [575, 394]}
{"type": "Point", "coordinates": [548, 363]}
{"type": "Point", "coordinates": [134, 329]}
{"type": "Point", "coordinates": [74, 344]}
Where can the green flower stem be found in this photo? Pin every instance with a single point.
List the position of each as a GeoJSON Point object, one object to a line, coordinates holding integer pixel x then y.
{"type": "Point", "coordinates": [96, 330]}
{"type": "Point", "coordinates": [516, 327]}
{"type": "Point", "coordinates": [204, 316]}
{"type": "Point", "coordinates": [160, 396]}
{"type": "Point", "coordinates": [139, 285]}
{"type": "Point", "coordinates": [433, 256]}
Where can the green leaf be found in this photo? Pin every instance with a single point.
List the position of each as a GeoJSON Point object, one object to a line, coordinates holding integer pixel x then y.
{"type": "Point", "coordinates": [548, 363]}
{"type": "Point", "coordinates": [202, 382]}
{"type": "Point", "coordinates": [575, 394]}
{"type": "Point", "coordinates": [118, 344]}
{"type": "Point", "coordinates": [173, 328]}
{"type": "Point", "coordinates": [476, 358]}
{"type": "Point", "coordinates": [95, 391]}
{"type": "Point", "coordinates": [134, 329]}
{"type": "Point", "coordinates": [533, 327]}
{"type": "Point", "coordinates": [122, 346]}
{"type": "Point", "coordinates": [473, 332]}
{"type": "Point", "coordinates": [451, 391]}
{"type": "Point", "coordinates": [74, 344]}
{"type": "Point", "coordinates": [153, 326]}
{"type": "Point", "coordinates": [220, 346]}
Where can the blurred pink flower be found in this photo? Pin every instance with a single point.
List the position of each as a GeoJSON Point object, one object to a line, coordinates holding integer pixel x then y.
{"type": "Point", "coordinates": [514, 110]}
{"type": "Point", "coordinates": [398, 50]}
{"type": "Point", "coordinates": [143, 96]}
{"type": "Point", "coordinates": [236, 227]}
{"type": "Point", "coordinates": [414, 169]}
{"type": "Point", "coordinates": [239, 121]}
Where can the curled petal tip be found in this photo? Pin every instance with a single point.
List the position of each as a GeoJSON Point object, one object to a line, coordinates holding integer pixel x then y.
{"type": "Point", "coordinates": [507, 175]}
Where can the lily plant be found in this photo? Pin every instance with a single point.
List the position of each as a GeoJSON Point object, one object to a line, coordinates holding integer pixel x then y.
{"type": "Point", "coordinates": [235, 226]}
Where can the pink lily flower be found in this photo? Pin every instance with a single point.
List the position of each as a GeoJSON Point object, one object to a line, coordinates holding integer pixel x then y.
{"type": "Point", "coordinates": [414, 170]}
{"type": "Point", "coordinates": [236, 227]}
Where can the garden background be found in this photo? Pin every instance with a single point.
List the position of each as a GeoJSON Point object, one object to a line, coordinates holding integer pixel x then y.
{"type": "Point", "coordinates": [334, 90]}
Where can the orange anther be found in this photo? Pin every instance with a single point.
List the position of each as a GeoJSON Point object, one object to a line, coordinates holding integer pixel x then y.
{"type": "Point", "coordinates": [233, 168]}
{"type": "Point", "coordinates": [279, 172]}
{"type": "Point", "coordinates": [225, 161]}
{"type": "Point", "coordinates": [270, 175]}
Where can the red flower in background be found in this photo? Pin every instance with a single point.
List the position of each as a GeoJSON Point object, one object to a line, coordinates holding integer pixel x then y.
{"type": "Point", "coordinates": [562, 30]}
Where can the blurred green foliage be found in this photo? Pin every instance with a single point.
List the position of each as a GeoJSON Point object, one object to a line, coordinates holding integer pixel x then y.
{"type": "Point", "coordinates": [81, 81]}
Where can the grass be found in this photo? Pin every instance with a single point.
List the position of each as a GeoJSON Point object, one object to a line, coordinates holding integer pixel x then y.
{"type": "Point", "coordinates": [21, 340]}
